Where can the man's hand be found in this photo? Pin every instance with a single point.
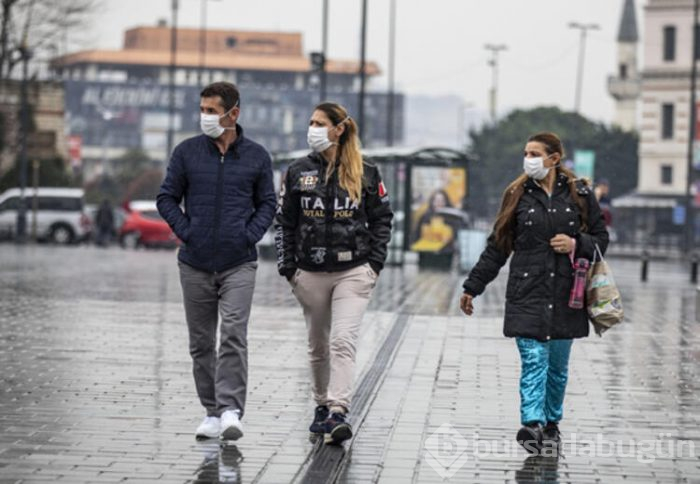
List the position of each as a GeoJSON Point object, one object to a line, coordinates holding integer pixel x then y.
{"type": "Point", "coordinates": [465, 303]}
{"type": "Point", "coordinates": [562, 243]}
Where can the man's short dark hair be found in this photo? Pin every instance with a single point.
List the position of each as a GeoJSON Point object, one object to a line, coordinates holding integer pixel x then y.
{"type": "Point", "coordinates": [227, 91]}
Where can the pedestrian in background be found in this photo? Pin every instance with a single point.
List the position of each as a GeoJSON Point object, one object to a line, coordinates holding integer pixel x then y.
{"type": "Point", "coordinates": [602, 194]}
{"type": "Point", "coordinates": [547, 217]}
{"type": "Point", "coordinates": [104, 222]}
{"type": "Point", "coordinates": [332, 229]}
{"type": "Point", "coordinates": [226, 181]}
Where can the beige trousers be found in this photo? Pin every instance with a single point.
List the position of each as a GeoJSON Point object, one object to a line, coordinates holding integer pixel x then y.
{"type": "Point", "coordinates": [333, 303]}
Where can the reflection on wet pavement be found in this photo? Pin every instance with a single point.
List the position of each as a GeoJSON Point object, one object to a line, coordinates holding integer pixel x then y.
{"type": "Point", "coordinates": [96, 379]}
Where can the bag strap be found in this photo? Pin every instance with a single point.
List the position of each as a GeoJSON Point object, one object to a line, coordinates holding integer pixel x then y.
{"type": "Point", "coordinates": [597, 253]}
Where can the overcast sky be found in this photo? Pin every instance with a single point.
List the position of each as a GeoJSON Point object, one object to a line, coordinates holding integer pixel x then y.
{"type": "Point", "coordinates": [440, 43]}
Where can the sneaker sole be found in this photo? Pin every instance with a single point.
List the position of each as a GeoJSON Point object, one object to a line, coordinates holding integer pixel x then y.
{"type": "Point", "coordinates": [205, 436]}
{"type": "Point", "coordinates": [231, 433]}
{"type": "Point", "coordinates": [526, 440]}
{"type": "Point", "coordinates": [339, 434]}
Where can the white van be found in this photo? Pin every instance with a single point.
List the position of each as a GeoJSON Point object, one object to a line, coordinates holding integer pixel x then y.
{"type": "Point", "coordinates": [60, 215]}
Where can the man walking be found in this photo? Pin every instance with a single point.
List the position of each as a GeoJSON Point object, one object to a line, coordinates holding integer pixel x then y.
{"type": "Point", "coordinates": [226, 181]}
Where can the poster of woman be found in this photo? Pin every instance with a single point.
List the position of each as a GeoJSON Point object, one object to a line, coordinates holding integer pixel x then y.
{"type": "Point", "coordinates": [437, 208]}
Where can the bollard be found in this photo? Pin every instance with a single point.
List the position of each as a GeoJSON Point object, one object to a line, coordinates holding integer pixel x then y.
{"type": "Point", "coordinates": [694, 269]}
{"type": "Point", "coordinates": [645, 265]}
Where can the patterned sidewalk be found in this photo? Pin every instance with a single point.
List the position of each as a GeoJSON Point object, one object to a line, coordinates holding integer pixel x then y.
{"type": "Point", "coordinates": [96, 381]}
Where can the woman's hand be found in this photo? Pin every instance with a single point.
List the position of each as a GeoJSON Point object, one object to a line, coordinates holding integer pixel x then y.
{"type": "Point", "coordinates": [465, 303]}
{"type": "Point", "coordinates": [562, 243]}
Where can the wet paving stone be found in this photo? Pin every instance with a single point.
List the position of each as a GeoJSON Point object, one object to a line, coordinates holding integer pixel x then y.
{"type": "Point", "coordinates": [96, 381]}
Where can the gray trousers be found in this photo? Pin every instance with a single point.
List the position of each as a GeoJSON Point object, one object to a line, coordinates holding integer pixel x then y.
{"type": "Point", "coordinates": [220, 377]}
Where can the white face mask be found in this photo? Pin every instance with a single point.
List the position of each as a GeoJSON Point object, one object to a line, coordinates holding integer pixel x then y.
{"type": "Point", "coordinates": [317, 137]}
{"type": "Point", "coordinates": [534, 167]}
{"type": "Point", "coordinates": [210, 123]}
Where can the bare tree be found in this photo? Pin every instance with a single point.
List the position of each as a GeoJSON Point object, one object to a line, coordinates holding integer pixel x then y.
{"type": "Point", "coordinates": [41, 27]}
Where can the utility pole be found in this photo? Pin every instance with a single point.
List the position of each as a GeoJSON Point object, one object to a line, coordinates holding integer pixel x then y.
{"type": "Point", "coordinates": [493, 62]}
{"type": "Point", "coordinates": [171, 87]}
{"type": "Point", "coordinates": [202, 42]}
{"type": "Point", "coordinates": [324, 48]}
{"type": "Point", "coordinates": [584, 28]}
{"type": "Point", "coordinates": [25, 56]}
{"type": "Point", "coordinates": [392, 58]}
{"type": "Point", "coordinates": [689, 207]}
{"type": "Point", "coordinates": [363, 51]}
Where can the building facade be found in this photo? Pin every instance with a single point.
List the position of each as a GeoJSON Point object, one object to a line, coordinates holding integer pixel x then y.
{"type": "Point", "coordinates": [654, 215]}
{"type": "Point", "coordinates": [47, 101]}
{"type": "Point", "coordinates": [664, 130]}
{"type": "Point", "coordinates": [119, 100]}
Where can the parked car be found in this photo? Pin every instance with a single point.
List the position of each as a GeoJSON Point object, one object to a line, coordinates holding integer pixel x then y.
{"type": "Point", "coordinates": [60, 215]}
{"type": "Point", "coordinates": [144, 227]}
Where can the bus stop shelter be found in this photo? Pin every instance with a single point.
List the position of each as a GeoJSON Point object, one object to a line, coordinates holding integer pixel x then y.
{"type": "Point", "coordinates": [428, 188]}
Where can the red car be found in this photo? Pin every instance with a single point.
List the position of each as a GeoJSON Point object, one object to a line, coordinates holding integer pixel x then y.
{"type": "Point", "coordinates": [144, 227]}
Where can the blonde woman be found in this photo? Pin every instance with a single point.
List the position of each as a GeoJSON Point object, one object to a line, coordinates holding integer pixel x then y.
{"type": "Point", "coordinates": [332, 229]}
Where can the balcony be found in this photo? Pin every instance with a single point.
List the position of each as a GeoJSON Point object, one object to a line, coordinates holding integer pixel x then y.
{"type": "Point", "coordinates": [624, 89]}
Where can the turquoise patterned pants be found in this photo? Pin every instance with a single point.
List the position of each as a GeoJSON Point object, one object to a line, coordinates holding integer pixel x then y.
{"type": "Point", "coordinates": [544, 372]}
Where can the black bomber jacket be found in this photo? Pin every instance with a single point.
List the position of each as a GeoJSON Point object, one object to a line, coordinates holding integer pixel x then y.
{"type": "Point", "coordinates": [319, 228]}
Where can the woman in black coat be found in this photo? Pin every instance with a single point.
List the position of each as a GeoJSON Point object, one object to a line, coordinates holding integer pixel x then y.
{"type": "Point", "coordinates": [546, 217]}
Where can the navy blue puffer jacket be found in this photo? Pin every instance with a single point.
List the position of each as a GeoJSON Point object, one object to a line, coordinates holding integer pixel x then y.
{"type": "Point", "coordinates": [229, 201]}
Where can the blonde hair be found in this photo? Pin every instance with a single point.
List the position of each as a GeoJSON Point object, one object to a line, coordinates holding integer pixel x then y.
{"type": "Point", "coordinates": [350, 166]}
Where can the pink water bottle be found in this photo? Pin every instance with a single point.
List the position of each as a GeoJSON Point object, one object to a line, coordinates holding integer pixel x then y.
{"type": "Point", "coordinates": [578, 289]}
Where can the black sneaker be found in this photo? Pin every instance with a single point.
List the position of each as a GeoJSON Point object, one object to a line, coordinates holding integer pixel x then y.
{"type": "Point", "coordinates": [320, 416]}
{"type": "Point", "coordinates": [530, 437]}
{"type": "Point", "coordinates": [337, 429]}
{"type": "Point", "coordinates": [551, 437]}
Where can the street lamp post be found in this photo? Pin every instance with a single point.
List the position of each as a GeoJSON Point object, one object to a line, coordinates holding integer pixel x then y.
{"type": "Point", "coordinates": [324, 48]}
{"type": "Point", "coordinates": [363, 51]}
{"type": "Point", "coordinates": [692, 134]}
{"type": "Point", "coordinates": [392, 58]}
{"type": "Point", "coordinates": [584, 28]}
{"type": "Point", "coordinates": [493, 62]}
{"type": "Point", "coordinates": [202, 41]}
{"type": "Point", "coordinates": [171, 86]}
{"type": "Point", "coordinates": [25, 56]}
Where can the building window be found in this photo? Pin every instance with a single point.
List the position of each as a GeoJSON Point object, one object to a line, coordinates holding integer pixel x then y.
{"type": "Point", "coordinates": [623, 71]}
{"type": "Point", "coordinates": [666, 175]}
{"type": "Point", "coordinates": [669, 43]}
{"type": "Point", "coordinates": [667, 121]}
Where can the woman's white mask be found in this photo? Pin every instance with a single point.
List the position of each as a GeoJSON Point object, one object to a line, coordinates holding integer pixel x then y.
{"type": "Point", "coordinates": [534, 167]}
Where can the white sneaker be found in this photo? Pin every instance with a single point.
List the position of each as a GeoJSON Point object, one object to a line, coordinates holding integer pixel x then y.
{"type": "Point", "coordinates": [231, 427]}
{"type": "Point", "coordinates": [209, 428]}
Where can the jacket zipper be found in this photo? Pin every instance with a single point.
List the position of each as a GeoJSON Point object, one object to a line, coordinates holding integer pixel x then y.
{"type": "Point", "coordinates": [550, 229]}
{"type": "Point", "coordinates": [217, 210]}
{"type": "Point", "coordinates": [329, 217]}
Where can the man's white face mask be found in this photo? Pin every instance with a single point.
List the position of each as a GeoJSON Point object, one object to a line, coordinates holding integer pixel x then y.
{"type": "Point", "coordinates": [210, 123]}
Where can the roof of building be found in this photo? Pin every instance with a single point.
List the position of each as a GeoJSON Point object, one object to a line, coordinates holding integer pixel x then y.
{"type": "Point", "coordinates": [628, 24]}
{"type": "Point", "coordinates": [213, 61]}
{"type": "Point", "coordinates": [224, 49]}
